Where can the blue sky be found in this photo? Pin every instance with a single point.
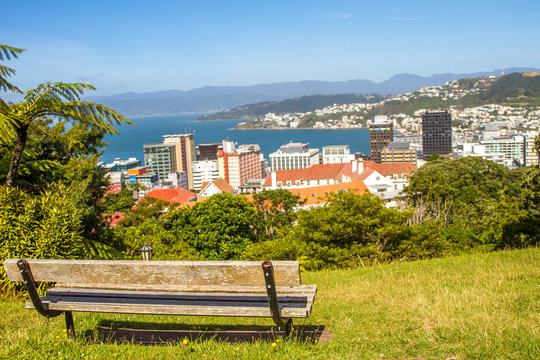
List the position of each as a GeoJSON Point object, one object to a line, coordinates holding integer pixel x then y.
{"type": "Point", "coordinates": [121, 46]}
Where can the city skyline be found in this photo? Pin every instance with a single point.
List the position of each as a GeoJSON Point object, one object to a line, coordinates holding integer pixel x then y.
{"type": "Point", "coordinates": [140, 46]}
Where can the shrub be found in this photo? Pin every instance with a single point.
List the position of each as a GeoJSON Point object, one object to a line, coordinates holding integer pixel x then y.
{"type": "Point", "coordinates": [46, 225]}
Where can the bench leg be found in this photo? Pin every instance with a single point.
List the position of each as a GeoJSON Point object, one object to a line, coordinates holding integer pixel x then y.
{"type": "Point", "coordinates": [70, 327]}
{"type": "Point", "coordinates": [268, 270]}
{"type": "Point", "coordinates": [288, 327]}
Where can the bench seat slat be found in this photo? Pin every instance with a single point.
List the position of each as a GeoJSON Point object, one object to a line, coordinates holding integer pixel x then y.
{"type": "Point", "coordinates": [157, 272]}
{"type": "Point", "coordinates": [173, 307]}
{"type": "Point", "coordinates": [248, 297]}
{"type": "Point", "coordinates": [190, 288]}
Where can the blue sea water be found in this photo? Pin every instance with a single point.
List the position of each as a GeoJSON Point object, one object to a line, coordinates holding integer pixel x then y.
{"type": "Point", "coordinates": [151, 129]}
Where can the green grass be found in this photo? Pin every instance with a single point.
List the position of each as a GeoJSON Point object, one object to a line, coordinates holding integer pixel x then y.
{"type": "Point", "coordinates": [481, 306]}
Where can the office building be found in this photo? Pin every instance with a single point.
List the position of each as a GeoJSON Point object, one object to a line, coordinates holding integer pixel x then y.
{"type": "Point", "coordinates": [380, 135]}
{"type": "Point", "coordinates": [204, 171]}
{"type": "Point", "coordinates": [397, 152]}
{"type": "Point", "coordinates": [122, 165]}
{"type": "Point", "coordinates": [160, 159]}
{"type": "Point", "coordinates": [517, 150]}
{"type": "Point", "coordinates": [237, 166]}
{"type": "Point", "coordinates": [207, 151]}
{"type": "Point", "coordinates": [176, 180]}
{"type": "Point", "coordinates": [436, 133]}
{"type": "Point", "coordinates": [294, 156]}
{"type": "Point", "coordinates": [184, 153]}
{"type": "Point", "coordinates": [337, 154]}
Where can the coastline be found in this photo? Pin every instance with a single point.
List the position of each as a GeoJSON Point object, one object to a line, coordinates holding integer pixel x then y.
{"type": "Point", "coordinates": [300, 128]}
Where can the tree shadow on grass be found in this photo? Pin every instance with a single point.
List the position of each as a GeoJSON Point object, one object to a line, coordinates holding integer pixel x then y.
{"type": "Point", "coordinates": [144, 333]}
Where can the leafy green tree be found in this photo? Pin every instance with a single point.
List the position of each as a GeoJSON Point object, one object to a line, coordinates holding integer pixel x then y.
{"type": "Point", "coordinates": [166, 246]}
{"type": "Point", "coordinates": [88, 184]}
{"type": "Point", "coordinates": [456, 189]}
{"type": "Point", "coordinates": [479, 202]}
{"type": "Point", "coordinates": [219, 228]}
{"type": "Point", "coordinates": [148, 208]}
{"type": "Point", "coordinates": [349, 229]}
{"type": "Point", "coordinates": [122, 201]}
{"type": "Point", "coordinates": [48, 153]}
{"type": "Point", "coordinates": [50, 100]}
{"type": "Point", "coordinates": [275, 209]}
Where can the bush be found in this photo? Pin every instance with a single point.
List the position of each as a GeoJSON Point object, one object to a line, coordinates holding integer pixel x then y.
{"type": "Point", "coordinates": [219, 228]}
{"type": "Point", "coordinates": [46, 226]}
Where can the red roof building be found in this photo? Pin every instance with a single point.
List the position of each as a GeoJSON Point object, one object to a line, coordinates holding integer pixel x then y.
{"type": "Point", "coordinates": [214, 187]}
{"type": "Point", "coordinates": [174, 195]}
{"type": "Point", "coordinates": [327, 174]}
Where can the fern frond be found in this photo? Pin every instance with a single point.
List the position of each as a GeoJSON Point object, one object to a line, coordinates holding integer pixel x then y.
{"type": "Point", "coordinates": [6, 71]}
{"type": "Point", "coordinates": [9, 51]}
{"type": "Point", "coordinates": [4, 84]}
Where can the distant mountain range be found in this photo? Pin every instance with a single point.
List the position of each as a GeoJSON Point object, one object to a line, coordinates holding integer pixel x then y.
{"type": "Point", "coordinates": [218, 98]}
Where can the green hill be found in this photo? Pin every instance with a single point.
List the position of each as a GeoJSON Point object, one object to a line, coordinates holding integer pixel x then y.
{"type": "Point", "coordinates": [478, 306]}
{"type": "Point", "coordinates": [300, 104]}
{"type": "Point", "coordinates": [514, 89]}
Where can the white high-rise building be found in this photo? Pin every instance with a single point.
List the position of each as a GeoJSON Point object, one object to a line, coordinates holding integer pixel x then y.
{"type": "Point", "coordinates": [294, 156]}
{"type": "Point", "coordinates": [518, 150]}
{"type": "Point", "coordinates": [204, 171]}
{"type": "Point", "coordinates": [337, 154]}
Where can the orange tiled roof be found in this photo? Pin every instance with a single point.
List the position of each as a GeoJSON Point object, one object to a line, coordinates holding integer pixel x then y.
{"type": "Point", "coordinates": [312, 195]}
{"type": "Point", "coordinates": [314, 172]}
{"type": "Point", "coordinates": [319, 194]}
{"type": "Point", "coordinates": [384, 169]}
{"type": "Point", "coordinates": [220, 183]}
{"type": "Point", "coordinates": [175, 195]}
{"type": "Point", "coordinates": [337, 171]}
{"type": "Point", "coordinates": [392, 168]}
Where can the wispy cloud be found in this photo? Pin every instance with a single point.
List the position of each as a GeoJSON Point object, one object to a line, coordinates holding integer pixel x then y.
{"type": "Point", "coordinates": [90, 78]}
{"type": "Point", "coordinates": [336, 15]}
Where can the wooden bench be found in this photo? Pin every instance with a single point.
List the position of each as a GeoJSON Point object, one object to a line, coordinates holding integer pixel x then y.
{"type": "Point", "coordinates": [206, 288]}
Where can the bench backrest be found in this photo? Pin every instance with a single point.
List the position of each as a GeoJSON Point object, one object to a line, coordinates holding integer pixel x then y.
{"type": "Point", "coordinates": [157, 275]}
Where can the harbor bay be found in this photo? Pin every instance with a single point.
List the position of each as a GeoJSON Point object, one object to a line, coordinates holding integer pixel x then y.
{"type": "Point", "coordinates": [130, 141]}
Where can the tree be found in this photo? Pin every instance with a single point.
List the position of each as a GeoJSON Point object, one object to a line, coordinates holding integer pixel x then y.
{"type": "Point", "coordinates": [457, 189]}
{"type": "Point", "coordinates": [219, 228]}
{"type": "Point", "coordinates": [50, 100]}
{"type": "Point", "coordinates": [275, 209]}
{"type": "Point", "coordinates": [47, 154]}
{"type": "Point", "coordinates": [349, 229]}
{"type": "Point", "coordinates": [7, 52]}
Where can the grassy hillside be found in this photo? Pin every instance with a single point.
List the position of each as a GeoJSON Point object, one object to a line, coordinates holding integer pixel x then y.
{"type": "Point", "coordinates": [300, 104]}
{"type": "Point", "coordinates": [475, 306]}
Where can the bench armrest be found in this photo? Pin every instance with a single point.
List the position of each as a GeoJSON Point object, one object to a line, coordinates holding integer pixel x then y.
{"type": "Point", "coordinates": [30, 285]}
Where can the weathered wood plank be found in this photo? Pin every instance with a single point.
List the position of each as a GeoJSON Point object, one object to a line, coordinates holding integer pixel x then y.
{"type": "Point", "coordinates": [164, 302]}
{"type": "Point", "coordinates": [173, 309]}
{"type": "Point", "coordinates": [226, 297]}
{"type": "Point", "coordinates": [164, 273]}
{"type": "Point", "coordinates": [300, 289]}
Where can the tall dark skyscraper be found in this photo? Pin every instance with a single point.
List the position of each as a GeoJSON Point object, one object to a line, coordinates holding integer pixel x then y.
{"type": "Point", "coordinates": [436, 133]}
{"type": "Point", "coordinates": [380, 135]}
